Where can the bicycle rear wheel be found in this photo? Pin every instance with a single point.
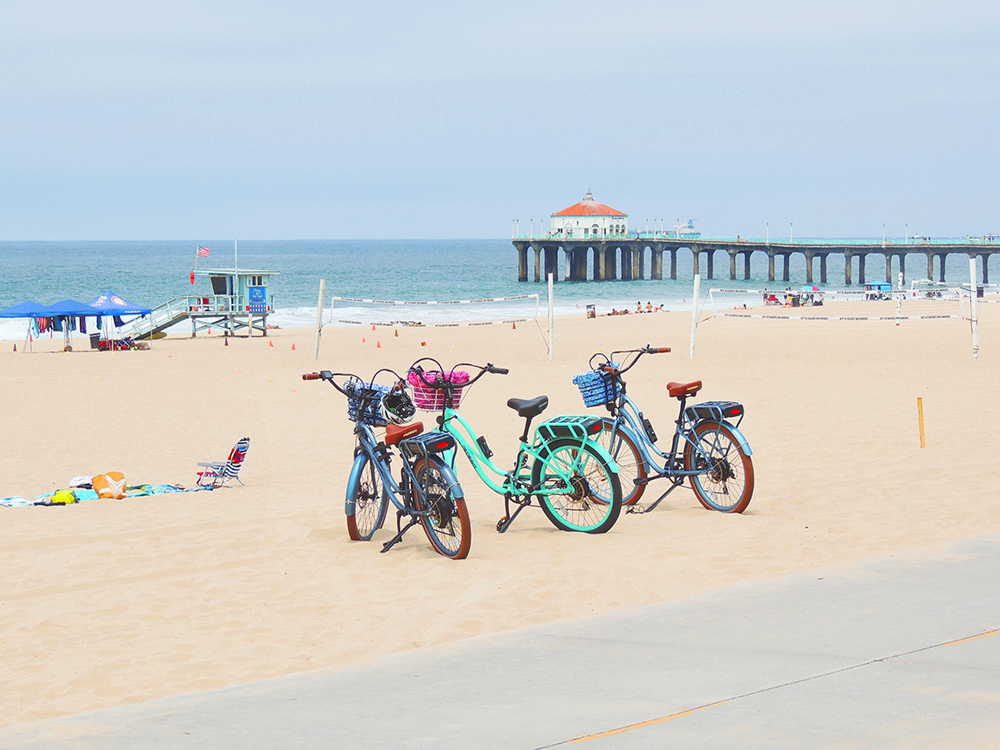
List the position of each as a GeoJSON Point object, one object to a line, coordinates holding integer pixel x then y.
{"type": "Point", "coordinates": [725, 478]}
{"type": "Point", "coordinates": [589, 495]}
{"type": "Point", "coordinates": [623, 447]}
{"type": "Point", "coordinates": [366, 514]}
{"type": "Point", "coordinates": [447, 526]}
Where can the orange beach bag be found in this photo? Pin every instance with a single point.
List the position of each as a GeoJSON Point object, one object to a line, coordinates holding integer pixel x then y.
{"type": "Point", "coordinates": [110, 485]}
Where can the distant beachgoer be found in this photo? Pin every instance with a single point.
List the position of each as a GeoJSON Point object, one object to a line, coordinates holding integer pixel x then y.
{"type": "Point", "coordinates": [649, 307]}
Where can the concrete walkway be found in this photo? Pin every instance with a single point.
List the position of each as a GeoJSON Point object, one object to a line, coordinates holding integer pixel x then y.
{"type": "Point", "coordinates": [897, 652]}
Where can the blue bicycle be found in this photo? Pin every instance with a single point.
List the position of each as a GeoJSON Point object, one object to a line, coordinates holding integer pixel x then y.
{"type": "Point", "coordinates": [707, 449]}
{"type": "Point", "coordinates": [428, 492]}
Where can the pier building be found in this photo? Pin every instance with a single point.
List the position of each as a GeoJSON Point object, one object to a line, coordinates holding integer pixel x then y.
{"type": "Point", "coordinates": [588, 218]}
{"type": "Point", "coordinates": [608, 257]}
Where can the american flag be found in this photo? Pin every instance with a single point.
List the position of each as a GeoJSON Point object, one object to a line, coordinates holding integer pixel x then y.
{"type": "Point", "coordinates": [203, 252]}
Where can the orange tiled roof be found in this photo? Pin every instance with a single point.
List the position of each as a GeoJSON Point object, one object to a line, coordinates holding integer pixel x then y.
{"type": "Point", "coordinates": [589, 207]}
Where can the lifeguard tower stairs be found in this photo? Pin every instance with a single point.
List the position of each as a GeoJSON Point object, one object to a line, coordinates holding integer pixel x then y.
{"type": "Point", "coordinates": [238, 305]}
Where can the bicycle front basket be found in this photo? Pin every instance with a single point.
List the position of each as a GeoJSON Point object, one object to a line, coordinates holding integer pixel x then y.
{"type": "Point", "coordinates": [595, 389]}
{"type": "Point", "coordinates": [432, 399]}
{"type": "Point", "coordinates": [364, 403]}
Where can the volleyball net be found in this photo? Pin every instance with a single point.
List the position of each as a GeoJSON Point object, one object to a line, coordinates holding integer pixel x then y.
{"type": "Point", "coordinates": [922, 301]}
{"type": "Point", "coordinates": [434, 313]}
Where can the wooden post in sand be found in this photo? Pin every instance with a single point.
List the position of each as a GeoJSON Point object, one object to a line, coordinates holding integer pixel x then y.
{"type": "Point", "coordinates": [319, 316]}
{"type": "Point", "coordinates": [920, 419]}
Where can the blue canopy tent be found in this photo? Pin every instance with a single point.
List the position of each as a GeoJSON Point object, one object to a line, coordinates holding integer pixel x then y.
{"type": "Point", "coordinates": [111, 305]}
{"type": "Point", "coordinates": [68, 308]}
{"type": "Point", "coordinates": [27, 309]}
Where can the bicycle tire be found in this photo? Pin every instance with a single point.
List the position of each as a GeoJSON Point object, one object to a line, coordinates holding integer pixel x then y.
{"type": "Point", "coordinates": [370, 502]}
{"type": "Point", "coordinates": [448, 527]}
{"type": "Point", "coordinates": [726, 485]}
{"type": "Point", "coordinates": [624, 450]}
{"type": "Point", "coordinates": [594, 500]}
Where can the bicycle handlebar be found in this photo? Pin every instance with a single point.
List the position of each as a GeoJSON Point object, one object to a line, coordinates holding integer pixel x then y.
{"type": "Point", "coordinates": [442, 384]}
{"type": "Point", "coordinates": [351, 377]}
{"type": "Point", "coordinates": [629, 363]}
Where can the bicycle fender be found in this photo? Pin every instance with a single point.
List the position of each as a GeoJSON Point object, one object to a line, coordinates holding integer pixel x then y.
{"type": "Point", "coordinates": [450, 477]}
{"type": "Point", "coordinates": [603, 453]}
{"type": "Point", "coordinates": [352, 483]}
{"type": "Point", "coordinates": [736, 434]}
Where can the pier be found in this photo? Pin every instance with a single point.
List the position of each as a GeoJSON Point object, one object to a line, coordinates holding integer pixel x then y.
{"type": "Point", "coordinates": [607, 258]}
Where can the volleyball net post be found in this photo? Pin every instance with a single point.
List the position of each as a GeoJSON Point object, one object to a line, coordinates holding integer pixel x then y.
{"type": "Point", "coordinates": [319, 316]}
{"type": "Point", "coordinates": [974, 306]}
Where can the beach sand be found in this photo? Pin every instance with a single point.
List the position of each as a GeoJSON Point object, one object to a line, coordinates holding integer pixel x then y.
{"type": "Point", "coordinates": [113, 602]}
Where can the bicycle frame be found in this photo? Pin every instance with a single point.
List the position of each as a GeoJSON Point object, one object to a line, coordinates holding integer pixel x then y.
{"type": "Point", "coordinates": [518, 485]}
{"type": "Point", "coordinates": [629, 420]}
{"type": "Point", "coordinates": [517, 481]}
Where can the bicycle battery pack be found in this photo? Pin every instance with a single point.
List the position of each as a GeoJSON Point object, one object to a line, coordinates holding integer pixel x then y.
{"type": "Point", "coordinates": [717, 411]}
{"type": "Point", "coordinates": [573, 427]}
{"type": "Point", "coordinates": [427, 443]}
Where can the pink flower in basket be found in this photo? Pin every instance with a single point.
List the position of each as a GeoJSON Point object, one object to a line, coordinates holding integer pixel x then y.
{"type": "Point", "coordinates": [432, 399]}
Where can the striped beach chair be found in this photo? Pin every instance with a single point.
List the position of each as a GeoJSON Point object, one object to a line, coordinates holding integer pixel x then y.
{"type": "Point", "coordinates": [218, 473]}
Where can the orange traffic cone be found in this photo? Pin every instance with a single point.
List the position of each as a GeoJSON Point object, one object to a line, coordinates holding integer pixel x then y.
{"type": "Point", "coordinates": [293, 347]}
{"type": "Point", "coordinates": [271, 344]}
{"type": "Point", "coordinates": [226, 339]}
{"type": "Point", "coordinates": [378, 344]}
{"type": "Point", "coordinates": [397, 334]}
{"type": "Point", "coordinates": [423, 343]}
{"type": "Point", "coordinates": [362, 339]}
{"type": "Point", "coordinates": [373, 326]}
{"type": "Point", "coordinates": [513, 326]}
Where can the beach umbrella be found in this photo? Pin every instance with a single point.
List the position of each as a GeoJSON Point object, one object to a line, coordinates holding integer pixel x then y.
{"type": "Point", "coordinates": [810, 289]}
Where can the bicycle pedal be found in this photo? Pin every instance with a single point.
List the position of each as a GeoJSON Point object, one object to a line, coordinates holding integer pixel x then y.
{"type": "Point", "coordinates": [502, 524]}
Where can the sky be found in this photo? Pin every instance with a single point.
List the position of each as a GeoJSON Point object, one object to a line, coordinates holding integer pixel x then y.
{"type": "Point", "coordinates": [398, 120]}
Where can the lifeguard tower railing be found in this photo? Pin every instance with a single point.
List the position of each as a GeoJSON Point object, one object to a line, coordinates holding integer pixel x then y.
{"type": "Point", "coordinates": [232, 314]}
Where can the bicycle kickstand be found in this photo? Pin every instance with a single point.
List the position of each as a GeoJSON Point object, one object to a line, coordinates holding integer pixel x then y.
{"type": "Point", "coordinates": [504, 523]}
{"type": "Point", "coordinates": [414, 520]}
{"type": "Point", "coordinates": [640, 509]}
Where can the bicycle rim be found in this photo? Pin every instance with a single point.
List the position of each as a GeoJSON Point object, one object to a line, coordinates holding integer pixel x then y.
{"type": "Point", "coordinates": [583, 493]}
{"type": "Point", "coordinates": [447, 526]}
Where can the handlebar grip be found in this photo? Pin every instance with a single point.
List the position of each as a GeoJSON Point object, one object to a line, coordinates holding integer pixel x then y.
{"type": "Point", "coordinates": [499, 370]}
{"type": "Point", "coordinates": [311, 376]}
{"type": "Point", "coordinates": [661, 350]}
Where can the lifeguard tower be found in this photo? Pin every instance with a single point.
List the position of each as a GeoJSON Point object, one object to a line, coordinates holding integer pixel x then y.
{"type": "Point", "coordinates": [239, 302]}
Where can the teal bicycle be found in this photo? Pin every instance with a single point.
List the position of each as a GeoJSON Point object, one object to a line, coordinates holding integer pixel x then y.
{"type": "Point", "coordinates": [572, 478]}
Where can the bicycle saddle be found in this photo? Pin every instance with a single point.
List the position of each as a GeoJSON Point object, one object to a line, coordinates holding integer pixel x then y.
{"type": "Point", "coordinates": [682, 390]}
{"type": "Point", "coordinates": [396, 432]}
{"type": "Point", "coordinates": [528, 407]}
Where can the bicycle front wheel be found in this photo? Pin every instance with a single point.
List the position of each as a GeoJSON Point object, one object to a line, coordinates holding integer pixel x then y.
{"type": "Point", "coordinates": [369, 502]}
{"type": "Point", "coordinates": [447, 526]}
{"type": "Point", "coordinates": [624, 449]}
{"type": "Point", "coordinates": [724, 481]}
{"type": "Point", "coordinates": [584, 494]}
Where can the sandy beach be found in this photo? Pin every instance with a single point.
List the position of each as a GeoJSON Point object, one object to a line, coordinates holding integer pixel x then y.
{"type": "Point", "coordinates": [113, 602]}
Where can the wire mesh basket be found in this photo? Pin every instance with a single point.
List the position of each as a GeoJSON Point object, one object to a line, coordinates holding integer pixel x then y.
{"type": "Point", "coordinates": [364, 401]}
{"type": "Point", "coordinates": [433, 399]}
{"type": "Point", "coordinates": [597, 390]}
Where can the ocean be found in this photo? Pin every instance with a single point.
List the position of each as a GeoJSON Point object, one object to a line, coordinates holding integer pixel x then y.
{"type": "Point", "coordinates": [152, 272]}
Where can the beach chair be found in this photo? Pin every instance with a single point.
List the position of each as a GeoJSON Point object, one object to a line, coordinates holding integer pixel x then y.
{"type": "Point", "coordinates": [218, 473]}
